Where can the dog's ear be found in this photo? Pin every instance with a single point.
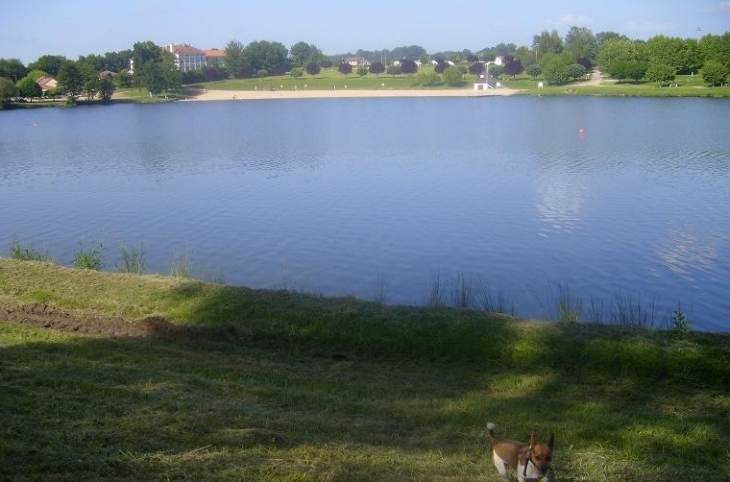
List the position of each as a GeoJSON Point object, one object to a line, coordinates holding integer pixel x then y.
{"type": "Point", "coordinates": [551, 441]}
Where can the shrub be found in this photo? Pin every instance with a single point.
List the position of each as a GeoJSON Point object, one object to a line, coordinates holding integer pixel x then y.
{"type": "Point", "coordinates": [131, 261]}
{"type": "Point", "coordinates": [89, 259]}
{"type": "Point", "coordinates": [28, 254]}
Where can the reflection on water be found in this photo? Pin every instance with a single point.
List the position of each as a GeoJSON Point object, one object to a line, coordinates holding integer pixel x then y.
{"type": "Point", "coordinates": [685, 253]}
{"type": "Point", "coordinates": [560, 203]}
{"type": "Point", "coordinates": [336, 196]}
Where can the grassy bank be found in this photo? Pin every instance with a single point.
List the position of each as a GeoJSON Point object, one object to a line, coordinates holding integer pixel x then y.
{"type": "Point", "coordinates": [220, 383]}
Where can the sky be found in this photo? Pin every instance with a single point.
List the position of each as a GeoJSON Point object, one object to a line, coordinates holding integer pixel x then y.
{"type": "Point", "coordinates": [80, 27]}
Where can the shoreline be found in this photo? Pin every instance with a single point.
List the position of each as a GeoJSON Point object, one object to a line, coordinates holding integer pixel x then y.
{"type": "Point", "coordinates": [219, 95]}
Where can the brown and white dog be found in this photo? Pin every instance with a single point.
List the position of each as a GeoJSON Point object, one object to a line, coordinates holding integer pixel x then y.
{"type": "Point", "coordinates": [530, 462]}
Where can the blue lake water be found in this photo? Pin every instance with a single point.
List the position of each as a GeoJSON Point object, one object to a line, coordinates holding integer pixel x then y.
{"type": "Point", "coordinates": [386, 198]}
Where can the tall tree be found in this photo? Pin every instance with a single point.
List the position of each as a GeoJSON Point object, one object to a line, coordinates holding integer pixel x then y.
{"type": "Point", "coordinates": [556, 67]}
{"type": "Point", "coordinates": [615, 51]}
{"type": "Point", "coordinates": [27, 87]}
{"type": "Point", "coordinates": [660, 73]}
{"type": "Point", "coordinates": [717, 48]}
{"type": "Point", "coordinates": [714, 73]}
{"type": "Point", "coordinates": [313, 68]}
{"type": "Point", "coordinates": [547, 43]}
{"type": "Point", "coordinates": [410, 52]}
{"type": "Point", "coordinates": [234, 58]}
{"type": "Point", "coordinates": [408, 66]}
{"type": "Point", "coordinates": [12, 69]}
{"type": "Point", "coordinates": [50, 64]}
{"type": "Point", "coordinates": [512, 66]}
{"type": "Point", "coordinates": [376, 68]}
{"type": "Point", "coordinates": [70, 79]}
{"type": "Point", "coordinates": [265, 55]}
{"type": "Point", "coordinates": [302, 52]}
{"type": "Point", "coordinates": [452, 76]}
{"type": "Point", "coordinates": [8, 90]}
{"type": "Point", "coordinates": [581, 42]}
{"type": "Point", "coordinates": [672, 51]}
{"type": "Point", "coordinates": [106, 88]}
{"type": "Point", "coordinates": [146, 57]}
{"type": "Point", "coordinates": [345, 68]}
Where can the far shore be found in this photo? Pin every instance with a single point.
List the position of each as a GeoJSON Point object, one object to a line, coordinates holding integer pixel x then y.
{"type": "Point", "coordinates": [208, 95]}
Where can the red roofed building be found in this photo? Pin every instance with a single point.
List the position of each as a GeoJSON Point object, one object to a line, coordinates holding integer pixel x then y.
{"type": "Point", "coordinates": [215, 57]}
{"type": "Point", "coordinates": [186, 57]}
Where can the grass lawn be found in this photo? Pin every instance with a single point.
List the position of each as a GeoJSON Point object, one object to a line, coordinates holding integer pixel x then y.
{"type": "Point", "coordinates": [225, 383]}
{"type": "Point", "coordinates": [683, 86]}
{"type": "Point", "coordinates": [329, 79]}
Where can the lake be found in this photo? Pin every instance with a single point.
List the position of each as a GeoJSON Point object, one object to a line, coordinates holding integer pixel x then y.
{"type": "Point", "coordinates": [619, 202]}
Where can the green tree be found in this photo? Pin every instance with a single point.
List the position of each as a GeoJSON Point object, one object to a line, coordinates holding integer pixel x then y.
{"type": "Point", "coordinates": [680, 54]}
{"type": "Point", "coordinates": [362, 71]}
{"type": "Point", "coordinates": [376, 68]}
{"type": "Point", "coordinates": [556, 67]}
{"type": "Point", "coordinates": [512, 66]}
{"type": "Point", "coordinates": [146, 57]}
{"type": "Point", "coordinates": [427, 78]}
{"type": "Point", "coordinates": [547, 43]}
{"type": "Point", "coordinates": [576, 71]}
{"type": "Point", "coordinates": [717, 48]}
{"type": "Point", "coordinates": [526, 56]}
{"type": "Point", "coordinates": [533, 71]}
{"type": "Point", "coordinates": [410, 52]}
{"type": "Point", "coordinates": [269, 56]}
{"type": "Point", "coordinates": [408, 66]}
{"type": "Point", "coordinates": [12, 69]}
{"type": "Point", "coordinates": [345, 68]}
{"type": "Point", "coordinates": [91, 87]}
{"type": "Point", "coordinates": [297, 72]}
{"type": "Point", "coordinates": [8, 91]}
{"type": "Point", "coordinates": [234, 58]}
{"type": "Point", "coordinates": [660, 73]}
{"type": "Point", "coordinates": [49, 63]}
{"type": "Point", "coordinates": [452, 76]}
{"type": "Point", "coordinates": [302, 52]}
{"type": "Point", "coordinates": [27, 87]}
{"type": "Point", "coordinates": [615, 51]}
{"type": "Point", "coordinates": [107, 88]}
{"type": "Point", "coordinates": [70, 79]}
{"type": "Point", "coordinates": [36, 74]}
{"type": "Point", "coordinates": [313, 68]}
{"type": "Point", "coordinates": [581, 42]}
{"type": "Point", "coordinates": [170, 73]}
{"type": "Point", "coordinates": [393, 70]}
{"type": "Point", "coordinates": [714, 73]}
{"type": "Point", "coordinates": [629, 69]}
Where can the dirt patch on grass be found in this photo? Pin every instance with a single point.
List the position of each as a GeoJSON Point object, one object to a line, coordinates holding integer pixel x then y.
{"type": "Point", "coordinates": [47, 316]}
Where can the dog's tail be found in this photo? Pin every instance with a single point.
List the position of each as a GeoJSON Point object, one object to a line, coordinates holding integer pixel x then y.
{"type": "Point", "coordinates": [490, 431]}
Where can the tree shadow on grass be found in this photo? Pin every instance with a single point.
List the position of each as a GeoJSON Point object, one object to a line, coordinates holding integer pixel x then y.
{"type": "Point", "coordinates": [295, 387]}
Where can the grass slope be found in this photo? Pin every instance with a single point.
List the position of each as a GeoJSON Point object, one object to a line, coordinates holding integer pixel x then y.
{"type": "Point", "coordinates": [273, 385]}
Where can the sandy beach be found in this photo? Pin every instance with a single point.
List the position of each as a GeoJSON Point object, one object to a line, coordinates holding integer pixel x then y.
{"type": "Point", "coordinates": [209, 95]}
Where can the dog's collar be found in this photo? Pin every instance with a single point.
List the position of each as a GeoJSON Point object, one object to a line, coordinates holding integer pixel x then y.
{"type": "Point", "coordinates": [528, 459]}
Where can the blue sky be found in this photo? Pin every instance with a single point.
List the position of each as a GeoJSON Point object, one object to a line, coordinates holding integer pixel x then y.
{"type": "Point", "coordinates": [80, 27]}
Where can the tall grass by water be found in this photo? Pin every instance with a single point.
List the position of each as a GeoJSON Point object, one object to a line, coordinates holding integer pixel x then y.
{"type": "Point", "coordinates": [465, 292]}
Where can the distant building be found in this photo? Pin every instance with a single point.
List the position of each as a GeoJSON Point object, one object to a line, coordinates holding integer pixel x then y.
{"type": "Point", "coordinates": [46, 83]}
{"type": "Point", "coordinates": [356, 61]}
{"type": "Point", "coordinates": [215, 57]}
{"type": "Point", "coordinates": [187, 58]}
{"type": "Point", "coordinates": [485, 81]}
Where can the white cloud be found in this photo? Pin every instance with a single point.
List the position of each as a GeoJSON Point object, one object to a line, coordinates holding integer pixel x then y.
{"type": "Point", "coordinates": [720, 7]}
{"type": "Point", "coordinates": [570, 21]}
{"type": "Point", "coordinates": [647, 27]}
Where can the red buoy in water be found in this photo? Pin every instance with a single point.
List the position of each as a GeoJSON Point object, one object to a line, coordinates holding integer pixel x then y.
{"type": "Point", "coordinates": [581, 131]}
